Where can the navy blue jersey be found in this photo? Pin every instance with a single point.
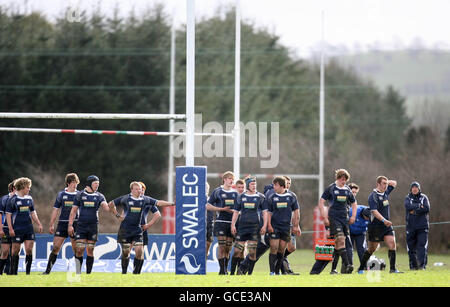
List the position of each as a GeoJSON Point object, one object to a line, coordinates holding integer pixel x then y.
{"type": "Point", "coordinates": [380, 202]}
{"type": "Point", "coordinates": [221, 198]}
{"type": "Point", "coordinates": [64, 201]}
{"type": "Point", "coordinates": [88, 205]}
{"type": "Point", "coordinates": [20, 209]}
{"type": "Point", "coordinates": [281, 207]}
{"type": "Point", "coordinates": [153, 202]}
{"type": "Point", "coordinates": [251, 207]}
{"type": "Point", "coordinates": [268, 190]}
{"type": "Point", "coordinates": [337, 198]}
{"type": "Point", "coordinates": [3, 202]}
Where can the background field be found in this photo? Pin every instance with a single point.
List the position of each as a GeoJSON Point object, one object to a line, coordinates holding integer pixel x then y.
{"type": "Point", "coordinates": [301, 261]}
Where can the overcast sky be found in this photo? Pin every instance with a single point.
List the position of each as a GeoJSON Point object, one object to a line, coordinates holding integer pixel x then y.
{"type": "Point", "coordinates": [353, 24]}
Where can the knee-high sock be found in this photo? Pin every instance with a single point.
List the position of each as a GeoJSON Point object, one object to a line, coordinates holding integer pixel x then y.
{"type": "Point", "coordinates": [89, 264]}
{"type": "Point", "coordinates": [125, 261]}
{"type": "Point", "coordinates": [364, 260]}
{"type": "Point", "coordinates": [251, 265]}
{"type": "Point", "coordinates": [392, 256]}
{"type": "Point", "coordinates": [51, 262]}
{"type": "Point", "coordinates": [14, 264]}
{"type": "Point", "coordinates": [279, 263]}
{"type": "Point", "coordinates": [272, 262]}
{"type": "Point", "coordinates": [2, 265]}
{"type": "Point", "coordinates": [28, 261]}
{"type": "Point", "coordinates": [78, 264]}
{"type": "Point", "coordinates": [343, 253]}
{"type": "Point", "coordinates": [137, 265]}
{"type": "Point", "coordinates": [335, 260]}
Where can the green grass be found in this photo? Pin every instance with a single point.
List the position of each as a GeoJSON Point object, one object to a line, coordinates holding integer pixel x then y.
{"type": "Point", "coordinates": [301, 261]}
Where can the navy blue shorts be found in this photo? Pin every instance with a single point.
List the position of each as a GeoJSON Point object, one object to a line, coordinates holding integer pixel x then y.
{"type": "Point", "coordinates": [280, 235]}
{"type": "Point", "coordinates": [378, 232]}
{"type": "Point", "coordinates": [222, 229]}
{"type": "Point", "coordinates": [87, 232]}
{"type": "Point", "coordinates": [21, 237]}
{"type": "Point", "coordinates": [127, 236]}
{"type": "Point", "coordinates": [248, 233]}
{"type": "Point", "coordinates": [61, 230]}
{"type": "Point", "coordinates": [338, 226]}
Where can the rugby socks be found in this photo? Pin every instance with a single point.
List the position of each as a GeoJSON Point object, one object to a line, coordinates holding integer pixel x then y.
{"type": "Point", "coordinates": [392, 256]}
{"type": "Point", "coordinates": [222, 264]}
{"type": "Point", "coordinates": [279, 263]}
{"type": "Point", "coordinates": [272, 261]}
{"type": "Point", "coordinates": [14, 264]}
{"type": "Point", "coordinates": [51, 262]}
{"type": "Point", "coordinates": [286, 253]}
{"type": "Point", "coordinates": [335, 260]}
{"type": "Point", "coordinates": [343, 253]}
{"type": "Point", "coordinates": [251, 265]}
{"type": "Point", "coordinates": [89, 264]}
{"type": "Point", "coordinates": [78, 264]}
{"type": "Point", "coordinates": [2, 265]}
{"type": "Point", "coordinates": [364, 260]}
{"type": "Point", "coordinates": [125, 261]}
{"type": "Point", "coordinates": [226, 265]}
{"type": "Point", "coordinates": [137, 265]}
{"type": "Point", "coordinates": [235, 261]}
{"type": "Point", "coordinates": [8, 264]}
{"type": "Point", "coordinates": [28, 261]}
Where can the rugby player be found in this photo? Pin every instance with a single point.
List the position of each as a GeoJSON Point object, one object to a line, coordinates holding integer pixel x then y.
{"type": "Point", "coordinates": [252, 209]}
{"type": "Point", "coordinates": [223, 200]}
{"type": "Point", "coordinates": [130, 230]}
{"type": "Point", "coordinates": [63, 206]}
{"type": "Point", "coordinates": [86, 203]}
{"type": "Point", "coordinates": [338, 194]}
{"type": "Point", "coordinates": [20, 214]}
{"type": "Point", "coordinates": [283, 208]}
{"type": "Point", "coordinates": [5, 257]}
{"type": "Point", "coordinates": [380, 227]}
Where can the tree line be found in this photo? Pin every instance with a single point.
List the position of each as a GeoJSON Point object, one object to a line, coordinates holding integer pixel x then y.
{"type": "Point", "coordinates": [121, 65]}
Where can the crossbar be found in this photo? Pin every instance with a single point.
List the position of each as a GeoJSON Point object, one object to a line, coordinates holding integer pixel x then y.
{"type": "Point", "coordinates": [91, 116]}
{"type": "Point", "coordinates": [113, 132]}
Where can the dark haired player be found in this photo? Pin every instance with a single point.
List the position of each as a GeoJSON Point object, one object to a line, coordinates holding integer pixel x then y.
{"type": "Point", "coordinates": [283, 208]}
{"type": "Point", "coordinates": [338, 194]}
{"type": "Point", "coordinates": [252, 209]}
{"type": "Point", "coordinates": [63, 205]}
{"type": "Point", "coordinates": [5, 257]}
{"type": "Point", "coordinates": [86, 203]}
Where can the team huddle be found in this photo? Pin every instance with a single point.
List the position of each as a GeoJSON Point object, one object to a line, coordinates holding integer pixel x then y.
{"type": "Point", "coordinates": [237, 214]}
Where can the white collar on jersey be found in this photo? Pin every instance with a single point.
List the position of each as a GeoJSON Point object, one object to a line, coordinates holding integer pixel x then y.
{"type": "Point", "coordinates": [379, 193]}
{"type": "Point", "coordinates": [71, 193]}
{"type": "Point", "coordinates": [228, 191]}
{"type": "Point", "coordinates": [139, 198]}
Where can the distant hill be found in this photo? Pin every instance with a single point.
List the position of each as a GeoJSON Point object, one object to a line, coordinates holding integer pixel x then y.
{"type": "Point", "coordinates": [421, 75]}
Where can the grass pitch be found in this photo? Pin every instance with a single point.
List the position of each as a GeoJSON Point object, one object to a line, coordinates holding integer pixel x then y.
{"type": "Point", "coordinates": [301, 261]}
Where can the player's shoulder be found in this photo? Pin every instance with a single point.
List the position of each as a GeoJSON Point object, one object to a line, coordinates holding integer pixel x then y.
{"type": "Point", "coordinates": [101, 195]}
{"type": "Point", "coordinates": [293, 194]}
{"type": "Point", "coordinates": [346, 187]}
{"type": "Point", "coordinates": [261, 195]}
{"type": "Point", "coordinates": [332, 185]}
